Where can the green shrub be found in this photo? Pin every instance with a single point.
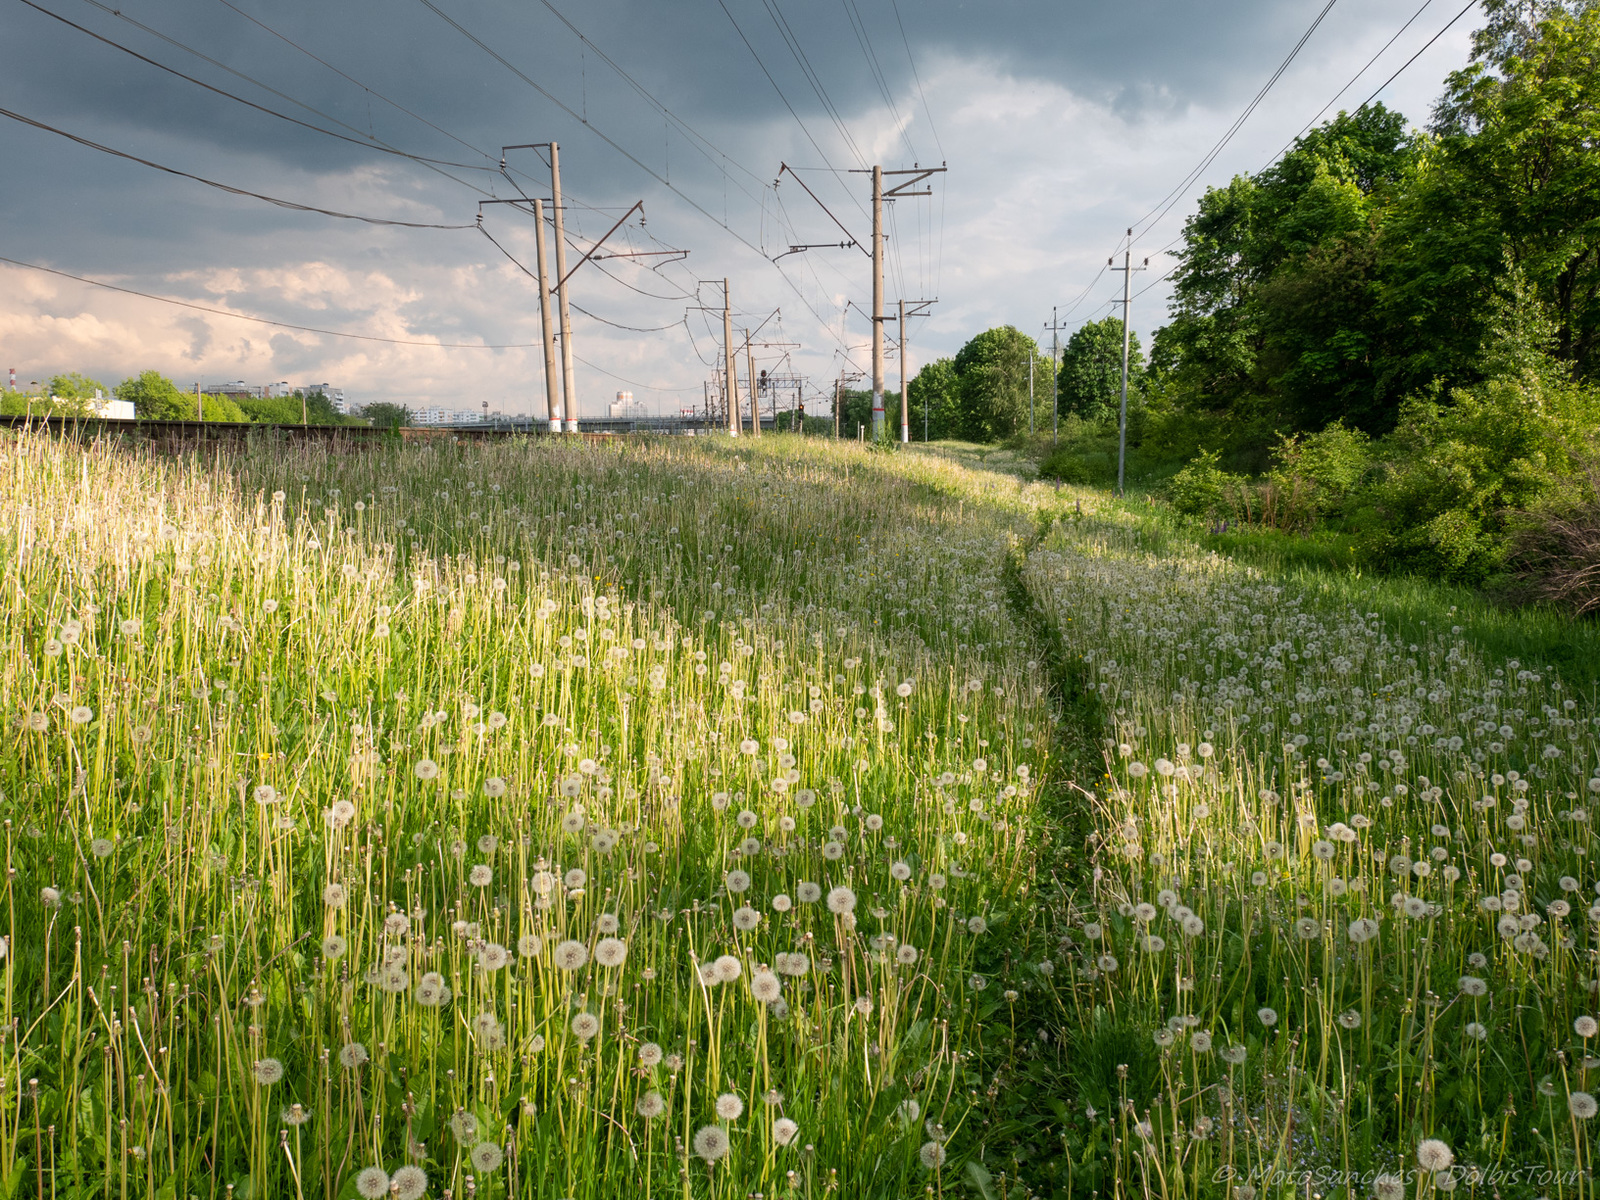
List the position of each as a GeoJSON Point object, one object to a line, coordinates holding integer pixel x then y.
{"type": "Point", "coordinates": [1202, 488]}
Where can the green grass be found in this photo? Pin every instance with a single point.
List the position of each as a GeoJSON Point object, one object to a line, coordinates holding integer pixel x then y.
{"type": "Point", "coordinates": [324, 772]}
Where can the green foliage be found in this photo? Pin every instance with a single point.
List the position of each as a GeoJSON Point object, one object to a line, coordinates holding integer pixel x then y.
{"type": "Point", "coordinates": [156, 398]}
{"type": "Point", "coordinates": [387, 415]}
{"type": "Point", "coordinates": [1201, 488]}
{"type": "Point", "coordinates": [74, 386]}
{"type": "Point", "coordinates": [934, 393]}
{"type": "Point", "coordinates": [991, 377]}
{"type": "Point", "coordinates": [1090, 379]}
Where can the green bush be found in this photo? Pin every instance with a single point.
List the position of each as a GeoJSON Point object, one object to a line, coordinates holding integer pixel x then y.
{"type": "Point", "coordinates": [1202, 488]}
{"type": "Point", "coordinates": [1457, 471]}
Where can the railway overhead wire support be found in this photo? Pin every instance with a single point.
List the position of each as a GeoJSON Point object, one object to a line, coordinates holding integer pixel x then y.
{"type": "Point", "coordinates": [917, 174]}
{"type": "Point", "coordinates": [1127, 268]}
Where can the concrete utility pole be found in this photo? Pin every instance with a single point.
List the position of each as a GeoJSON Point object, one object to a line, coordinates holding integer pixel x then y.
{"type": "Point", "coordinates": [1055, 371]}
{"type": "Point", "coordinates": [918, 174]}
{"type": "Point", "coordinates": [729, 373]}
{"type": "Point", "coordinates": [569, 382]}
{"type": "Point", "coordinates": [547, 329]}
{"type": "Point", "coordinates": [1030, 395]}
{"type": "Point", "coordinates": [905, 399]}
{"type": "Point", "coordinates": [877, 303]}
{"type": "Point", "coordinates": [1127, 270]}
{"type": "Point", "coordinates": [837, 385]}
{"type": "Point", "coordinates": [755, 396]}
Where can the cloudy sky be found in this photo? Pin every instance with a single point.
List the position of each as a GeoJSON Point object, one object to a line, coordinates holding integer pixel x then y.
{"type": "Point", "coordinates": [1062, 123]}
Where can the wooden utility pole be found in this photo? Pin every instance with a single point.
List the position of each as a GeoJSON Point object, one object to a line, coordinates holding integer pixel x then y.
{"type": "Point", "coordinates": [547, 329]}
{"type": "Point", "coordinates": [1127, 270]}
{"type": "Point", "coordinates": [569, 382]}
{"type": "Point", "coordinates": [729, 374]}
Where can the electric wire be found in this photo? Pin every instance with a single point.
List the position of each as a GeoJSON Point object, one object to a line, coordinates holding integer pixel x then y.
{"type": "Point", "coordinates": [1172, 197]}
{"type": "Point", "coordinates": [895, 4]}
{"type": "Point", "coordinates": [224, 187]}
{"type": "Point", "coordinates": [367, 143]}
{"type": "Point", "coordinates": [607, 139]}
{"type": "Point", "coordinates": [222, 312]}
{"type": "Point", "coordinates": [1382, 50]}
{"type": "Point", "coordinates": [351, 79]}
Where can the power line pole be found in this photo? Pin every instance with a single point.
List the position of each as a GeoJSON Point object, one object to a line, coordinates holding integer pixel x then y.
{"type": "Point", "coordinates": [1055, 373]}
{"type": "Point", "coordinates": [905, 400]}
{"type": "Point", "coordinates": [877, 303]}
{"type": "Point", "coordinates": [731, 388]}
{"type": "Point", "coordinates": [918, 174]}
{"type": "Point", "coordinates": [1127, 268]}
{"type": "Point", "coordinates": [837, 385]}
{"type": "Point", "coordinates": [569, 382]}
{"type": "Point", "coordinates": [755, 396]}
{"type": "Point", "coordinates": [1030, 394]}
{"type": "Point", "coordinates": [546, 329]}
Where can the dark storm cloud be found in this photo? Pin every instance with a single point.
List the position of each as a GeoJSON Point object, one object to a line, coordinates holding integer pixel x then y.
{"type": "Point", "coordinates": [1000, 78]}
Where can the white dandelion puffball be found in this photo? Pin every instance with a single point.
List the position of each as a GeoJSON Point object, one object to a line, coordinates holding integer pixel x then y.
{"type": "Point", "coordinates": [649, 1054]}
{"type": "Point", "coordinates": [728, 968]}
{"type": "Point", "coordinates": [765, 986]}
{"type": "Point", "coordinates": [808, 893]}
{"type": "Point", "coordinates": [529, 945]}
{"type": "Point", "coordinates": [931, 1155]}
{"type": "Point", "coordinates": [494, 787]}
{"type": "Point", "coordinates": [729, 1107]}
{"type": "Point", "coordinates": [481, 875]}
{"type": "Point", "coordinates": [267, 1071]}
{"type": "Point", "coordinates": [650, 1105]}
{"type": "Point", "coordinates": [610, 952]}
{"type": "Point", "coordinates": [265, 793]}
{"type": "Point", "coordinates": [101, 847]}
{"type": "Point", "coordinates": [1585, 1027]}
{"type": "Point", "coordinates": [1582, 1105]}
{"type": "Point", "coordinates": [372, 1183]}
{"type": "Point", "coordinates": [738, 881]}
{"type": "Point", "coordinates": [746, 918]}
{"type": "Point", "coordinates": [334, 895]}
{"type": "Point", "coordinates": [784, 1131]}
{"type": "Point", "coordinates": [905, 955]}
{"type": "Point", "coordinates": [841, 900]}
{"type": "Point", "coordinates": [711, 1142]}
{"type": "Point", "coordinates": [571, 955]}
{"type": "Point", "coordinates": [585, 1026]}
{"type": "Point", "coordinates": [409, 1182]}
{"type": "Point", "coordinates": [426, 769]}
{"type": "Point", "coordinates": [333, 946]}
{"type": "Point", "coordinates": [352, 1055]}
{"type": "Point", "coordinates": [1434, 1155]}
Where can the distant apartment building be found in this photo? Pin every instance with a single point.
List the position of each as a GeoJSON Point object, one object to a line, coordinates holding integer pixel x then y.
{"type": "Point", "coordinates": [625, 407]}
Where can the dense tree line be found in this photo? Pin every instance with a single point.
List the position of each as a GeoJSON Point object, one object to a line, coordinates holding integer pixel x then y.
{"type": "Point", "coordinates": [1391, 334]}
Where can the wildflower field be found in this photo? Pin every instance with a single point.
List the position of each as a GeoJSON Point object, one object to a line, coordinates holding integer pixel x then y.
{"type": "Point", "coordinates": [703, 819]}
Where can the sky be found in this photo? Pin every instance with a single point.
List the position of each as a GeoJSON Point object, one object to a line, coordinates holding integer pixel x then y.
{"type": "Point", "coordinates": [1061, 123]}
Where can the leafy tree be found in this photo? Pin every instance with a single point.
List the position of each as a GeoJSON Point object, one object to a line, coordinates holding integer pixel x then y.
{"type": "Point", "coordinates": [73, 386]}
{"type": "Point", "coordinates": [386, 415]}
{"type": "Point", "coordinates": [1090, 379]}
{"type": "Point", "coordinates": [992, 383]}
{"type": "Point", "coordinates": [156, 398]}
{"type": "Point", "coordinates": [1517, 164]}
{"type": "Point", "coordinates": [934, 393]}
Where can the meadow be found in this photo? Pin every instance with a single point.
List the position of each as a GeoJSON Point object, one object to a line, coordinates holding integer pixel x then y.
{"type": "Point", "coordinates": [704, 819]}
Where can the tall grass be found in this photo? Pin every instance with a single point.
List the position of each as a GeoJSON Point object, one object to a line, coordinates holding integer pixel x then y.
{"type": "Point", "coordinates": [535, 820]}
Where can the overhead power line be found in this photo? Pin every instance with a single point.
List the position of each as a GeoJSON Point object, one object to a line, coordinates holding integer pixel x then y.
{"type": "Point", "coordinates": [366, 143]}
{"type": "Point", "coordinates": [1165, 206]}
{"type": "Point", "coordinates": [224, 187]}
{"type": "Point", "coordinates": [222, 312]}
{"type": "Point", "coordinates": [615, 145]}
